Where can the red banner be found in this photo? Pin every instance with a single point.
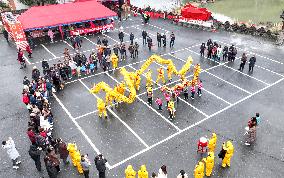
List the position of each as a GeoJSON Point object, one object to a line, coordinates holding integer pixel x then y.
{"type": "Point", "coordinates": [91, 30]}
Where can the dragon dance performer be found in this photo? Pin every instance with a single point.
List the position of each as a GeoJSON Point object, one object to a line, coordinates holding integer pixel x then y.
{"type": "Point", "coordinates": [137, 81]}
{"type": "Point", "coordinates": [114, 60]}
{"type": "Point", "coordinates": [170, 71]}
{"type": "Point", "coordinates": [161, 75]}
{"type": "Point", "coordinates": [101, 107]}
{"type": "Point", "coordinates": [149, 78]}
{"type": "Point", "coordinates": [171, 109]}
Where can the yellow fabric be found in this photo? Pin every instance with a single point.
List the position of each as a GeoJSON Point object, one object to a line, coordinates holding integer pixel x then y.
{"type": "Point", "coordinates": [229, 153]}
{"type": "Point", "coordinates": [129, 172]}
{"type": "Point", "coordinates": [212, 142]}
{"type": "Point", "coordinates": [209, 163]}
{"type": "Point", "coordinates": [143, 173]}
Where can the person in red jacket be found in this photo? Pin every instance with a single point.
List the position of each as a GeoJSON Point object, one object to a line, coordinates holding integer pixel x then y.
{"type": "Point", "coordinates": [31, 135]}
{"type": "Point", "coordinates": [26, 99]}
{"type": "Point", "coordinates": [29, 51]}
{"type": "Point", "coordinates": [21, 58]}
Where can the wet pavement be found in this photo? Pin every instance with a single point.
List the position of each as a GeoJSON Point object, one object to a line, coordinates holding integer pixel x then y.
{"type": "Point", "coordinates": [137, 133]}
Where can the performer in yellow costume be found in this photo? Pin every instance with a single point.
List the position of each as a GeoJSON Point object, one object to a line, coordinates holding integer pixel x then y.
{"type": "Point", "coordinates": [143, 173]}
{"type": "Point", "coordinates": [72, 148]}
{"type": "Point", "coordinates": [161, 75]}
{"type": "Point", "coordinates": [171, 109]}
{"type": "Point", "coordinates": [229, 153]}
{"type": "Point", "coordinates": [170, 71]}
{"type": "Point", "coordinates": [101, 107]}
{"type": "Point", "coordinates": [209, 163]}
{"type": "Point", "coordinates": [78, 162]}
{"type": "Point", "coordinates": [149, 78]}
{"type": "Point", "coordinates": [199, 170]}
{"type": "Point", "coordinates": [129, 172]}
{"type": "Point", "coordinates": [114, 60]}
{"type": "Point", "coordinates": [137, 81]}
{"type": "Point", "coordinates": [212, 142]}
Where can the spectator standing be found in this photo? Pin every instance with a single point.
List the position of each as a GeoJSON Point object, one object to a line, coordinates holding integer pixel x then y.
{"type": "Point", "coordinates": [144, 36]}
{"type": "Point", "coordinates": [31, 135]}
{"type": "Point", "coordinates": [21, 58]}
{"type": "Point", "coordinates": [85, 166]}
{"type": "Point", "coordinates": [78, 41]}
{"type": "Point", "coordinates": [131, 51]}
{"type": "Point", "coordinates": [149, 41]}
{"type": "Point", "coordinates": [131, 38]}
{"type": "Point", "coordinates": [225, 53]}
{"type": "Point", "coordinates": [29, 51]}
{"type": "Point", "coordinates": [12, 152]}
{"type": "Point", "coordinates": [51, 35]}
{"type": "Point", "coordinates": [243, 62]}
{"type": "Point", "coordinates": [163, 172]}
{"type": "Point", "coordinates": [182, 174]}
{"type": "Point", "coordinates": [159, 39]}
{"type": "Point", "coordinates": [35, 153]}
{"type": "Point", "coordinates": [105, 41]}
{"type": "Point", "coordinates": [121, 36]}
{"type": "Point", "coordinates": [53, 158]}
{"type": "Point", "coordinates": [50, 168]}
{"type": "Point", "coordinates": [62, 150]}
{"type": "Point", "coordinates": [202, 49]}
{"type": "Point", "coordinates": [172, 42]}
{"type": "Point", "coordinates": [136, 47]}
{"type": "Point", "coordinates": [100, 163]}
{"type": "Point", "coordinates": [252, 61]}
{"type": "Point", "coordinates": [164, 37]}
{"type": "Point", "coordinates": [99, 42]}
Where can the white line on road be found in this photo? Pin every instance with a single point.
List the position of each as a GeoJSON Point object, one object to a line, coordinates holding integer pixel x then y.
{"type": "Point", "coordinates": [48, 51]}
{"type": "Point", "coordinates": [127, 126]}
{"type": "Point", "coordinates": [28, 61]}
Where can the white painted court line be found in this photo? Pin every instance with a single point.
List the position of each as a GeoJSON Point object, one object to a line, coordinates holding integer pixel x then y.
{"type": "Point", "coordinates": [159, 28]}
{"type": "Point", "coordinates": [191, 126]}
{"type": "Point", "coordinates": [228, 82]}
{"type": "Point", "coordinates": [79, 128]}
{"type": "Point", "coordinates": [92, 112]}
{"type": "Point", "coordinates": [112, 38]}
{"type": "Point", "coordinates": [89, 40]}
{"type": "Point", "coordinates": [148, 104]}
{"type": "Point", "coordinates": [147, 32]}
{"type": "Point", "coordinates": [48, 51]}
{"type": "Point", "coordinates": [269, 70]}
{"type": "Point", "coordinates": [26, 59]}
{"type": "Point", "coordinates": [234, 69]}
{"type": "Point", "coordinates": [246, 75]}
{"type": "Point", "coordinates": [127, 126]}
{"type": "Point", "coordinates": [68, 44]}
{"type": "Point", "coordinates": [255, 54]}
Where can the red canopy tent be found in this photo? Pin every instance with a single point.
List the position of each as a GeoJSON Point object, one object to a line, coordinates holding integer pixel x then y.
{"type": "Point", "coordinates": [195, 13]}
{"type": "Point", "coordinates": [62, 14]}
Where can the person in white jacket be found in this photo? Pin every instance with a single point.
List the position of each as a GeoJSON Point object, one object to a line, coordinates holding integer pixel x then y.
{"type": "Point", "coordinates": [12, 152]}
{"type": "Point", "coordinates": [182, 174]}
{"type": "Point", "coordinates": [163, 172]}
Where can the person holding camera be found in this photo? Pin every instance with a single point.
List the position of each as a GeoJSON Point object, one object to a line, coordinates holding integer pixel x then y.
{"type": "Point", "coordinates": [100, 163]}
{"type": "Point", "coordinates": [35, 153]}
